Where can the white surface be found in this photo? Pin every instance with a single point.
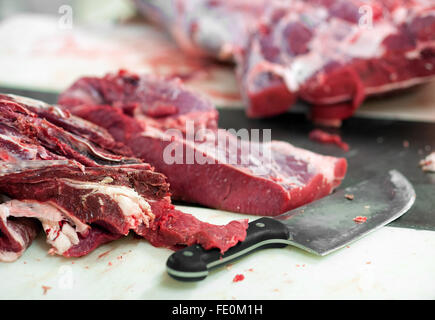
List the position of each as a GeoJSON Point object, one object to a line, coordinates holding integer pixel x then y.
{"type": "Point", "coordinates": [391, 263]}
{"type": "Point", "coordinates": [49, 58]}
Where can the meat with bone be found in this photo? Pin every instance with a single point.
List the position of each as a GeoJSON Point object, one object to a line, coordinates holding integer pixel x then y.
{"type": "Point", "coordinates": [332, 54]}
{"type": "Point", "coordinates": [176, 131]}
{"type": "Point", "coordinates": [82, 194]}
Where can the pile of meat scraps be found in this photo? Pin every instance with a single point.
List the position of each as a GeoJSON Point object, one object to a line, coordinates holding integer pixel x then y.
{"type": "Point", "coordinates": [332, 54]}
{"type": "Point", "coordinates": [71, 179]}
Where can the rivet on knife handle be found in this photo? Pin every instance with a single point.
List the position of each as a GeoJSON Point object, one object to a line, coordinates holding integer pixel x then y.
{"type": "Point", "coordinates": [193, 263]}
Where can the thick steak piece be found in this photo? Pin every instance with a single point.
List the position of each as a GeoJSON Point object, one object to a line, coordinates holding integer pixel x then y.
{"type": "Point", "coordinates": [62, 173]}
{"type": "Point", "coordinates": [176, 131]}
{"type": "Point", "coordinates": [332, 54]}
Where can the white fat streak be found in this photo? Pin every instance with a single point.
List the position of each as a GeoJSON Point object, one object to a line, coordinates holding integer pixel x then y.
{"type": "Point", "coordinates": [9, 256]}
{"type": "Point", "coordinates": [133, 206]}
{"type": "Point", "coordinates": [81, 227]}
{"type": "Point", "coordinates": [61, 239]}
{"type": "Point", "coordinates": [83, 95]}
{"type": "Point", "coordinates": [88, 146]}
{"type": "Point", "coordinates": [16, 167]}
{"type": "Point", "coordinates": [400, 85]}
{"type": "Point", "coordinates": [29, 101]}
{"type": "Point", "coordinates": [44, 211]}
{"type": "Point", "coordinates": [85, 144]}
{"type": "Point", "coordinates": [416, 54]}
{"type": "Point", "coordinates": [301, 70]}
{"type": "Point", "coordinates": [37, 104]}
{"type": "Point", "coordinates": [107, 180]}
{"type": "Point", "coordinates": [42, 105]}
{"type": "Point", "coordinates": [216, 31]}
{"type": "Point", "coordinates": [364, 43]}
{"type": "Point", "coordinates": [368, 43]}
{"type": "Point", "coordinates": [32, 209]}
{"type": "Point", "coordinates": [400, 15]}
{"type": "Point", "coordinates": [32, 149]}
{"type": "Point", "coordinates": [58, 111]}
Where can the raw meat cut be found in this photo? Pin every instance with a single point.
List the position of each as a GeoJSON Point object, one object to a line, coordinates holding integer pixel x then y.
{"type": "Point", "coordinates": [325, 53]}
{"type": "Point", "coordinates": [176, 131]}
{"type": "Point", "coordinates": [332, 54]}
{"type": "Point", "coordinates": [67, 179]}
{"type": "Point", "coordinates": [325, 137]}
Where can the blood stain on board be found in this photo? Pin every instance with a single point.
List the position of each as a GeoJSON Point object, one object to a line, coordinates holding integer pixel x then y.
{"type": "Point", "coordinates": [360, 219]}
{"type": "Point", "coordinates": [104, 254]}
{"type": "Point", "coordinates": [45, 289]}
{"type": "Point", "coordinates": [328, 138]}
{"type": "Point", "coordinates": [238, 278]}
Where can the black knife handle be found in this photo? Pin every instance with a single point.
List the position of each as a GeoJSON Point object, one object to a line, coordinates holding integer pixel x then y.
{"type": "Point", "coordinates": [194, 262]}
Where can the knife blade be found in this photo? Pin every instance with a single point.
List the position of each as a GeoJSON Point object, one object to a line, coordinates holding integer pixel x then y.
{"type": "Point", "coordinates": [320, 228]}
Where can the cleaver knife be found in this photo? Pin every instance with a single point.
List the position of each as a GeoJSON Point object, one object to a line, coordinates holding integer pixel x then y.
{"type": "Point", "coordinates": [320, 227]}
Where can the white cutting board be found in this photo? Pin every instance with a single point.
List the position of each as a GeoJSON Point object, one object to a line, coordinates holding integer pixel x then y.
{"type": "Point", "coordinates": [391, 263]}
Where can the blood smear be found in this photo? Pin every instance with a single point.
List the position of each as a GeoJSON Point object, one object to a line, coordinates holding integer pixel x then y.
{"type": "Point", "coordinates": [360, 219]}
{"type": "Point", "coordinates": [45, 289]}
{"type": "Point", "coordinates": [239, 277]}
